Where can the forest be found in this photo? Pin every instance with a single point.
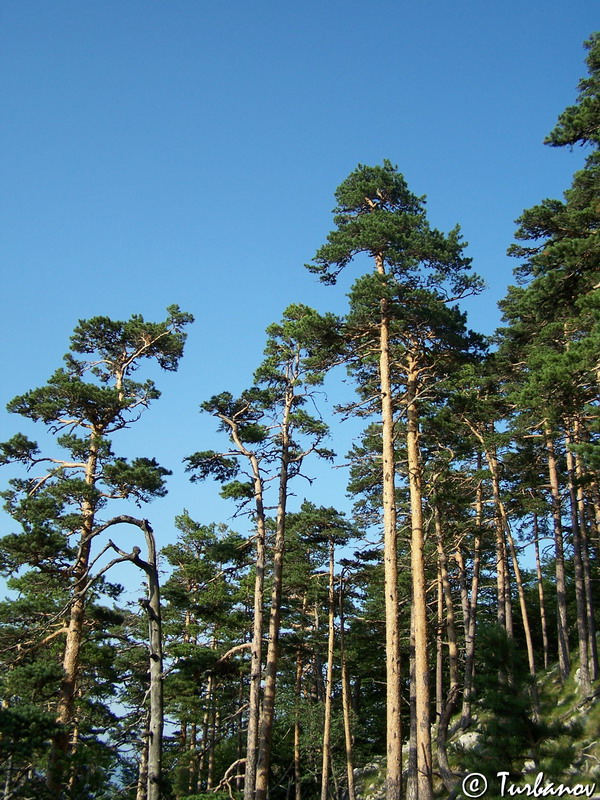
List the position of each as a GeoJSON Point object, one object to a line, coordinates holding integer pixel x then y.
{"type": "Point", "coordinates": [439, 641]}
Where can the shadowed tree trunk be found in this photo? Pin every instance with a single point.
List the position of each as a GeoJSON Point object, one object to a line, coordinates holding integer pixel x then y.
{"type": "Point", "coordinates": [564, 660]}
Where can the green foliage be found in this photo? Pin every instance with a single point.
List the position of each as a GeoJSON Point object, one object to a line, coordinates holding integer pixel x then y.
{"type": "Point", "coordinates": [510, 733]}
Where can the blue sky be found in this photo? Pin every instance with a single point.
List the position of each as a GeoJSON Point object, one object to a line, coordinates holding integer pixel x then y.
{"type": "Point", "coordinates": [187, 152]}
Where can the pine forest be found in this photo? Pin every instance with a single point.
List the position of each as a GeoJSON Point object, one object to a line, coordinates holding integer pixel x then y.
{"type": "Point", "coordinates": [434, 638]}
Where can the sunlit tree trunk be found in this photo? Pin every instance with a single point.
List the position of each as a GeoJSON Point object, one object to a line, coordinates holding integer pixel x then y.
{"type": "Point", "coordinates": [390, 559]}
{"type": "Point", "coordinates": [580, 600]}
{"type": "Point", "coordinates": [74, 636]}
{"type": "Point", "coordinates": [142, 782]}
{"type": "Point", "coordinates": [419, 593]}
{"type": "Point", "coordinates": [452, 696]}
{"type": "Point", "coordinates": [346, 703]}
{"type": "Point", "coordinates": [257, 635]}
{"type": "Point", "coordinates": [329, 684]}
{"type": "Point", "coordinates": [268, 707]}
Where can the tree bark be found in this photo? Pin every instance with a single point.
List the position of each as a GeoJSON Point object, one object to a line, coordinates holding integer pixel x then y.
{"type": "Point", "coordinates": [422, 711]}
{"type": "Point", "coordinates": [585, 562]}
{"type": "Point", "coordinates": [155, 728]}
{"type": "Point", "coordinates": [268, 708]}
{"type": "Point", "coordinates": [257, 635]}
{"type": "Point", "coordinates": [471, 617]}
{"type": "Point", "coordinates": [564, 660]}
{"type": "Point", "coordinates": [507, 535]}
{"type": "Point", "coordinates": [390, 558]}
{"type": "Point", "coordinates": [448, 707]}
{"type": "Point", "coordinates": [412, 788]}
{"type": "Point", "coordinates": [329, 684]}
{"type": "Point", "coordinates": [142, 783]}
{"type": "Point", "coordinates": [297, 758]}
{"type": "Point", "coordinates": [60, 740]}
{"type": "Point", "coordinates": [580, 600]}
{"type": "Point", "coordinates": [439, 648]}
{"type": "Point", "coordinates": [346, 703]}
{"type": "Point", "coordinates": [540, 583]}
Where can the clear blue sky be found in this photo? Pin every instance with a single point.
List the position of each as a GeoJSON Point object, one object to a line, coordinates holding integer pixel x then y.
{"type": "Point", "coordinates": [187, 152]}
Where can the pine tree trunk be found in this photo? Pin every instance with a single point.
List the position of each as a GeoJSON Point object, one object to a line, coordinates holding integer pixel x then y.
{"type": "Point", "coordinates": [257, 635]}
{"type": "Point", "coordinates": [412, 788]}
{"type": "Point", "coordinates": [500, 571]}
{"type": "Point", "coordinates": [510, 628]}
{"type": "Point", "coordinates": [439, 648]}
{"type": "Point", "coordinates": [419, 598]}
{"type": "Point", "coordinates": [205, 739]}
{"type": "Point", "coordinates": [192, 767]}
{"type": "Point", "coordinates": [390, 559]}
{"type": "Point", "coordinates": [326, 761]}
{"type": "Point", "coordinates": [210, 734]}
{"type": "Point", "coordinates": [74, 636]}
{"type": "Point", "coordinates": [239, 772]}
{"type": "Point", "coordinates": [142, 783]}
{"type": "Point", "coordinates": [268, 707]}
{"type": "Point", "coordinates": [564, 661]}
{"type": "Point", "coordinates": [585, 559]}
{"type": "Point", "coordinates": [593, 491]}
{"type": "Point", "coordinates": [448, 707]}
{"type": "Point", "coordinates": [580, 602]}
{"type": "Point", "coordinates": [501, 514]}
{"type": "Point", "coordinates": [471, 619]}
{"type": "Point", "coordinates": [155, 728]}
{"type": "Point", "coordinates": [297, 758]}
{"type": "Point", "coordinates": [346, 704]}
{"type": "Point", "coordinates": [540, 583]}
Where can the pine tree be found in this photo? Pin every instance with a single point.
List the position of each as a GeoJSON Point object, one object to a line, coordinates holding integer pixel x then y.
{"type": "Point", "coordinates": [59, 510]}
{"type": "Point", "coordinates": [396, 313]}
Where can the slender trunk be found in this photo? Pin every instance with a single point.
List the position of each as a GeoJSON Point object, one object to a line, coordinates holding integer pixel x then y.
{"type": "Point", "coordinates": [297, 759]}
{"type": "Point", "coordinates": [564, 661]}
{"type": "Point", "coordinates": [212, 709]}
{"type": "Point", "coordinates": [257, 635]}
{"type": "Point", "coordinates": [74, 636]}
{"type": "Point", "coordinates": [142, 783]}
{"type": "Point", "coordinates": [239, 772]}
{"type": "Point", "coordinates": [412, 789]}
{"type": "Point", "coordinates": [192, 767]}
{"type": "Point", "coordinates": [500, 572]}
{"type": "Point", "coordinates": [582, 632]}
{"type": "Point", "coordinates": [447, 707]}
{"type": "Point", "coordinates": [7, 793]}
{"type": "Point", "coordinates": [155, 728]}
{"type": "Point", "coordinates": [205, 737]}
{"type": "Point", "coordinates": [318, 689]}
{"type": "Point", "coordinates": [439, 648]}
{"type": "Point", "coordinates": [501, 513]}
{"type": "Point", "coordinates": [510, 628]}
{"type": "Point", "coordinates": [462, 582]}
{"type": "Point", "coordinates": [585, 559]}
{"type": "Point", "coordinates": [540, 583]}
{"type": "Point", "coordinates": [594, 495]}
{"type": "Point", "coordinates": [329, 685]}
{"type": "Point", "coordinates": [268, 708]}
{"type": "Point", "coordinates": [346, 704]}
{"type": "Point", "coordinates": [390, 559]}
{"type": "Point", "coordinates": [470, 626]}
{"type": "Point", "coordinates": [419, 598]}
